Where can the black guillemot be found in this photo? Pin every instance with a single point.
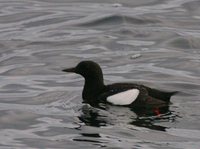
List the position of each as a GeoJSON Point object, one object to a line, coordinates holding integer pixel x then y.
{"type": "Point", "coordinates": [121, 94]}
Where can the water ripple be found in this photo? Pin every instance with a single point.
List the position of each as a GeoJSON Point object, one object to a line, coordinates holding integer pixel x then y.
{"type": "Point", "coordinates": [155, 43]}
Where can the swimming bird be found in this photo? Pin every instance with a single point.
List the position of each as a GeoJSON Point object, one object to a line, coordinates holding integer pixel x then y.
{"type": "Point", "coordinates": [120, 94]}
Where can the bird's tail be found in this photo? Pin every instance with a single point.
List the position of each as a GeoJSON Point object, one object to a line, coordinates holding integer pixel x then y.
{"type": "Point", "coordinates": [168, 95]}
{"type": "Point", "coordinates": [162, 95]}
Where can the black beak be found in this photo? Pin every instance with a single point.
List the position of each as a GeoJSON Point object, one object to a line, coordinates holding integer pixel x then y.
{"type": "Point", "coordinates": [70, 70]}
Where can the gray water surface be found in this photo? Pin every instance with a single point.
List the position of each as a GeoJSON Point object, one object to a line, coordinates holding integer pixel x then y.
{"type": "Point", "coordinates": [153, 42]}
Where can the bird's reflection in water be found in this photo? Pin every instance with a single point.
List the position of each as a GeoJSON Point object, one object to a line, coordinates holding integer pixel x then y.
{"type": "Point", "coordinates": [149, 116]}
{"type": "Point", "coordinates": [91, 116]}
{"type": "Point", "coordinates": [140, 117]}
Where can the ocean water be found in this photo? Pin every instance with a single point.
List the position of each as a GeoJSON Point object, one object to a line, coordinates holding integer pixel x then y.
{"type": "Point", "coordinates": [156, 43]}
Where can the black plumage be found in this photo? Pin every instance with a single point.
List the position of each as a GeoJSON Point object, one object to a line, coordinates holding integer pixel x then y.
{"type": "Point", "coordinates": [95, 91]}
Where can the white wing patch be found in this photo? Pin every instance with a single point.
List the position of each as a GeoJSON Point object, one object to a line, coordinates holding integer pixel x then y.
{"type": "Point", "coordinates": [124, 98]}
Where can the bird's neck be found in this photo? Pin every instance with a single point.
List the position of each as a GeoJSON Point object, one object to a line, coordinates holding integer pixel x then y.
{"type": "Point", "coordinates": [92, 88]}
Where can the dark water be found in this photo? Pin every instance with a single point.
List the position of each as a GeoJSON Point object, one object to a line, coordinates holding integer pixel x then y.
{"type": "Point", "coordinates": [153, 42]}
